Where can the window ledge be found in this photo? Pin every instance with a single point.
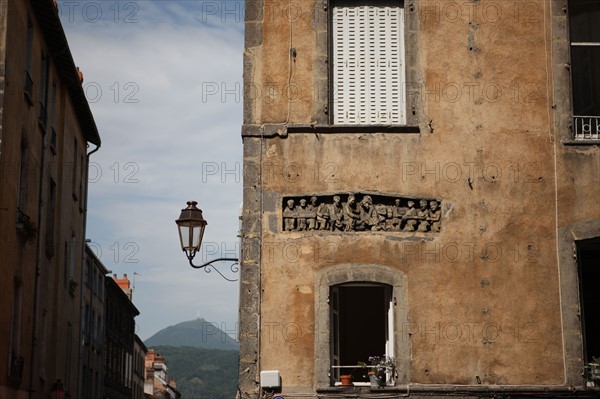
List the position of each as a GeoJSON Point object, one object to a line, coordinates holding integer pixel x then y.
{"type": "Point", "coordinates": [282, 130]}
{"type": "Point", "coordinates": [353, 129]}
{"type": "Point", "coordinates": [361, 389]}
{"type": "Point", "coordinates": [580, 142]}
{"type": "Point", "coordinates": [554, 391]}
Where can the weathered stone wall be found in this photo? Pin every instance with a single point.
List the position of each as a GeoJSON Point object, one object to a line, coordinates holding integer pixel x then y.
{"type": "Point", "coordinates": [492, 297]}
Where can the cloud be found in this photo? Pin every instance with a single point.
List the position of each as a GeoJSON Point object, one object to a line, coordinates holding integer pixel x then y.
{"type": "Point", "coordinates": [151, 69]}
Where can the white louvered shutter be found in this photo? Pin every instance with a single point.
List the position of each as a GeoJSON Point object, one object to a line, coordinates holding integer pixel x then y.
{"type": "Point", "coordinates": [368, 65]}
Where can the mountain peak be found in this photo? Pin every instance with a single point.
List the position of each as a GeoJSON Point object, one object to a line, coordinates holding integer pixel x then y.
{"type": "Point", "coordinates": [197, 333]}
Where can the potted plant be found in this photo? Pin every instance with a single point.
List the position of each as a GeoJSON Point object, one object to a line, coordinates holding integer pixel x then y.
{"type": "Point", "coordinates": [592, 370]}
{"type": "Point", "coordinates": [346, 380]}
{"type": "Point", "coordinates": [382, 370]}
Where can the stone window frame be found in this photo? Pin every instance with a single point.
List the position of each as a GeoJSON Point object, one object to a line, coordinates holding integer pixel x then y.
{"type": "Point", "coordinates": [577, 119]}
{"type": "Point", "coordinates": [561, 75]}
{"type": "Point", "coordinates": [322, 109]}
{"type": "Point", "coordinates": [570, 301]}
{"type": "Point", "coordinates": [359, 273]}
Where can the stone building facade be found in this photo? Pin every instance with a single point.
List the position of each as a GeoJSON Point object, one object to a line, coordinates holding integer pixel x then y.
{"type": "Point", "coordinates": [421, 184]}
{"type": "Point", "coordinates": [119, 341]}
{"type": "Point", "coordinates": [93, 320]}
{"type": "Point", "coordinates": [139, 369]}
{"type": "Point", "coordinates": [158, 384]}
{"type": "Point", "coordinates": [47, 134]}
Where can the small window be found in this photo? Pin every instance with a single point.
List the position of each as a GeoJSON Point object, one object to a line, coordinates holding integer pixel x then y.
{"type": "Point", "coordinates": [362, 323]}
{"type": "Point", "coordinates": [74, 170]}
{"type": "Point", "coordinates": [24, 173]}
{"type": "Point", "coordinates": [584, 30]}
{"type": "Point", "coordinates": [368, 71]}
{"type": "Point", "coordinates": [94, 280]}
{"type": "Point", "coordinates": [86, 323]}
{"type": "Point", "coordinates": [28, 83]}
{"type": "Point", "coordinates": [81, 180]}
{"type": "Point", "coordinates": [87, 272]}
{"type": "Point", "coordinates": [52, 105]}
{"type": "Point", "coordinates": [93, 327]}
{"type": "Point", "coordinates": [50, 212]}
{"type": "Point", "coordinates": [43, 91]}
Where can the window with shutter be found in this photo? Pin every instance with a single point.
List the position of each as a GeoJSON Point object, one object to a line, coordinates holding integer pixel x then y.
{"type": "Point", "coordinates": [368, 69]}
{"type": "Point", "coordinates": [584, 31]}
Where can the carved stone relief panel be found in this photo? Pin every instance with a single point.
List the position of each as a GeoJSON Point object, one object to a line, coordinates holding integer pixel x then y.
{"type": "Point", "coordinates": [361, 212]}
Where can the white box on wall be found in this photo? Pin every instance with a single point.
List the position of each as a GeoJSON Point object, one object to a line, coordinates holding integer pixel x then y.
{"type": "Point", "coordinates": [270, 379]}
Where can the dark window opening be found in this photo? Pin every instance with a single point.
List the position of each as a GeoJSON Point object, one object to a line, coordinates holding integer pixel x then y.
{"type": "Point", "coordinates": [50, 214]}
{"type": "Point", "coordinates": [588, 255]}
{"type": "Point", "coordinates": [584, 32]}
{"type": "Point", "coordinates": [361, 317]}
{"type": "Point", "coordinates": [43, 90]}
{"type": "Point", "coordinates": [28, 84]}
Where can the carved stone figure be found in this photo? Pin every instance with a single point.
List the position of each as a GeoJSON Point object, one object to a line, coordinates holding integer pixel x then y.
{"type": "Point", "coordinates": [395, 213]}
{"type": "Point", "coordinates": [311, 212]}
{"type": "Point", "coordinates": [423, 214]}
{"type": "Point", "coordinates": [336, 214]}
{"type": "Point", "coordinates": [289, 216]}
{"type": "Point", "coordinates": [435, 215]}
{"type": "Point", "coordinates": [323, 216]}
{"type": "Point", "coordinates": [351, 214]}
{"type": "Point", "coordinates": [410, 217]}
{"type": "Point", "coordinates": [302, 214]}
{"type": "Point", "coordinates": [368, 214]}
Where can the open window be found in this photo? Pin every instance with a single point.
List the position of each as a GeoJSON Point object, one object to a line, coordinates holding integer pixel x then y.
{"type": "Point", "coordinates": [588, 256]}
{"type": "Point", "coordinates": [584, 32]}
{"type": "Point", "coordinates": [368, 69]}
{"type": "Point", "coordinates": [362, 323]}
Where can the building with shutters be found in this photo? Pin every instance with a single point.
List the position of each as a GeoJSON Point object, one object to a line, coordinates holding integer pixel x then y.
{"type": "Point", "coordinates": [47, 135]}
{"type": "Point", "coordinates": [421, 184]}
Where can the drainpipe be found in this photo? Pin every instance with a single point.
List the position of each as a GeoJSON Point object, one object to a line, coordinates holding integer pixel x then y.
{"type": "Point", "coordinates": [38, 263]}
{"type": "Point", "coordinates": [83, 264]}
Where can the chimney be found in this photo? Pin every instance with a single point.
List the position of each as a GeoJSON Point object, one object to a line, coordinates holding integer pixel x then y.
{"type": "Point", "coordinates": [124, 284]}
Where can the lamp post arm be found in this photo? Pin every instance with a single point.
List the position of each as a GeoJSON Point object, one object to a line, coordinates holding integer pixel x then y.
{"type": "Point", "coordinates": [234, 268]}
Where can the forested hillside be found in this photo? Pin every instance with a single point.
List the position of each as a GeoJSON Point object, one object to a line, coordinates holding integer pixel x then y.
{"type": "Point", "coordinates": [202, 373]}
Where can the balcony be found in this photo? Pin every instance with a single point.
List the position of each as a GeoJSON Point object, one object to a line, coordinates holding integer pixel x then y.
{"type": "Point", "coordinates": [586, 128]}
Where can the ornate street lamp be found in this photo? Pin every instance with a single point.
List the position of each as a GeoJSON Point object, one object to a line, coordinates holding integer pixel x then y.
{"type": "Point", "coordinates": [191, 227]}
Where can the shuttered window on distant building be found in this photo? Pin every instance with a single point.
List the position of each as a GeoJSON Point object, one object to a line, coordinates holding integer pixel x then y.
{"type": "Point", "coordinates": [368, 63]}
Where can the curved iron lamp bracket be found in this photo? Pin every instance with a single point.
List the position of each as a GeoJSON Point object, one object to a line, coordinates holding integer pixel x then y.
{"type": "Point", "coordinates": [234, 267]}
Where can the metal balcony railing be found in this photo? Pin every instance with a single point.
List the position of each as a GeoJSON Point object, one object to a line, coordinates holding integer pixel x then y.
{"type": "Point", "coordinates": [586, 127]}
{"type": "Point", "coordinates": [389, 380]}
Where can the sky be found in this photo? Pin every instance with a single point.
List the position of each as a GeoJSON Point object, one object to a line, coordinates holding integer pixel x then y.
{"type": "Point", "coordinates": [164, 82]}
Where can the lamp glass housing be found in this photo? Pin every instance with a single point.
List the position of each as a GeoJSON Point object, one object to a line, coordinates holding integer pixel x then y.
{"type": "Point", "coordinates": [191, 227]}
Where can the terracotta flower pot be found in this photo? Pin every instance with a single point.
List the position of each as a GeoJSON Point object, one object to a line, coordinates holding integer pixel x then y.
{"type": "Point", "coordinates": [346, 380]}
